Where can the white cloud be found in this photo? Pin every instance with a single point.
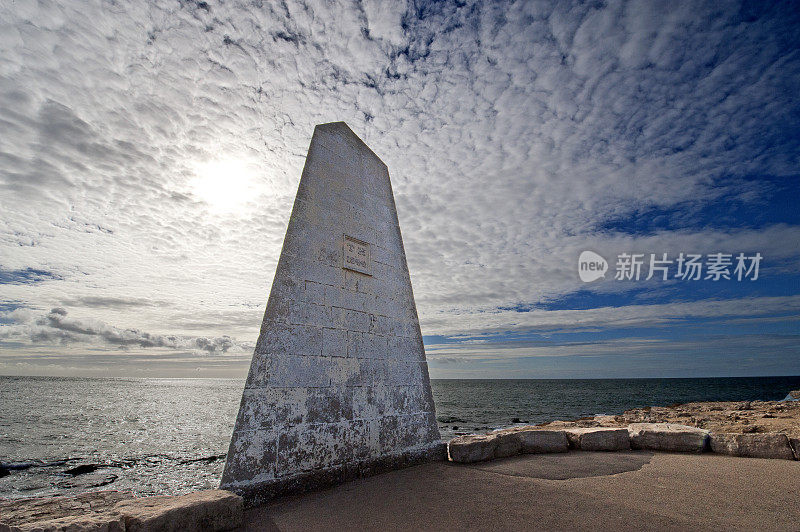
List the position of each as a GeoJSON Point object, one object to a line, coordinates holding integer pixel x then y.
{"type": "Point", "coordinates": [512, 133]}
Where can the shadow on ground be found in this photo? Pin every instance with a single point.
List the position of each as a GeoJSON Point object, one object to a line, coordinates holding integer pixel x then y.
{"type": "Point", "coordinates": [578, 490]}
{"type": "Point", "coordinates": [568, 465]}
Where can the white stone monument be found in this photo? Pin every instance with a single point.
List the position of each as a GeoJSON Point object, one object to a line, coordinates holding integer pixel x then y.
{"type": "Point", "coordinates": [338, 386]}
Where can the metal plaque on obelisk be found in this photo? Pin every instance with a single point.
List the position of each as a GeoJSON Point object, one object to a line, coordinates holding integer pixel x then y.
{"type": "Point", "coordinates": [338, 386]}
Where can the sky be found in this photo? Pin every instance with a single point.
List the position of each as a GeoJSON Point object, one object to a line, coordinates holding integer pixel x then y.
{"type": "Point", "coordinates": [150, 153]}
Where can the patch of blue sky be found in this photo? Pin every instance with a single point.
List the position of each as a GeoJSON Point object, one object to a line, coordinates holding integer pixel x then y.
{"type": "Point", "coordinates": [25, 276]}
{"type": "Point", "coordinates": [785, 325]}
{"type": "Point", "coordinates": [752, 203]}
{"type": "Point", "coordinates": [769, 284]}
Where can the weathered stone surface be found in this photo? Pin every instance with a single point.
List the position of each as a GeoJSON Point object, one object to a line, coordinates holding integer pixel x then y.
{"type": "Point", "coordinates": [107, 522]}
{"type": "Point", "coordinates": [598, 439]}
{"type": "Point", "coordinates": [338, 384]}
{"type": "Point", "coordinates": [667, 437]}
{"type": "Point", "coordinates": [795, 443]}
{"type": "Point", "coordinates": [509, 443]}
{"type": "Point", "coordinates": [198, 511]}
{"type": "Point", "coordinates": [472, 448]}
{"type": "Point", "coordinates": [506, 442]}
{"type": "Point", "coordinates": [605, 420]}
{"type": "Point", "coordinates": [795, 394]}
{"type": "Point", "coordinates": [752, 445]}
{"type": "Point", "coordinates": [721, 417]}
{"type": "Point", "coordinates": [543, 441]}
{"type": "Point", "coordinates": [110, 511]}
{"type": "Point", "coordinates": [332, 476]}
{"type": "Point", "coordinates": [88, 510]}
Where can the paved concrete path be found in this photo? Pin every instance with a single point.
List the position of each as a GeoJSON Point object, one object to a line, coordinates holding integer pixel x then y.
{"type": "Point", "coordinates": [577, 490]}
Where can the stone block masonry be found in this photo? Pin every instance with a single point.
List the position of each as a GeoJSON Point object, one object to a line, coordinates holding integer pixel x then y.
{"type": "Point", "coordinates": [338, 385]}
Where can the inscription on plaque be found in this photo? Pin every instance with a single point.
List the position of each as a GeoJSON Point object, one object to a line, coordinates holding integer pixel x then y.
{"type": "Point", "coordinates": [356, 255]}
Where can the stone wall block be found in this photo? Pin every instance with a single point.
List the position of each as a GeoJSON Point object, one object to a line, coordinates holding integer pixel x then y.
{"type": "Point", "coordinates": [773, 445]}
{"type": "Point", "coordinates": [667, 437]}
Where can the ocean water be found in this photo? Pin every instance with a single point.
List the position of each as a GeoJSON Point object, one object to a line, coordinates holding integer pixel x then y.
{"type": "Point", "coordinates": [61, 436]}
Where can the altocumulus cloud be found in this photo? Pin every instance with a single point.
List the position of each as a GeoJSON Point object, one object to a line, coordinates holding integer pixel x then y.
{"type": "Point", "coordinates": [517, 134]}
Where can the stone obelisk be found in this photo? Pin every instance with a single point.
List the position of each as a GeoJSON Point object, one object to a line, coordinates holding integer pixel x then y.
{"type": "Point", "coordinates": [338, 386]}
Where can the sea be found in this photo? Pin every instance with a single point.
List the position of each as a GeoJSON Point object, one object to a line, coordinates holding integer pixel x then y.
{"type": "Point", "coordinates": [62, 436]}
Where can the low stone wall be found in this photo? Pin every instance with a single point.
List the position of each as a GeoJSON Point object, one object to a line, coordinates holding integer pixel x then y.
{"type": "Point", "coordinates": [111, 511]}
{"type": "Point", "coordinates": [479, 448]}
{"type": "Point", "coordinates": [665, 437]}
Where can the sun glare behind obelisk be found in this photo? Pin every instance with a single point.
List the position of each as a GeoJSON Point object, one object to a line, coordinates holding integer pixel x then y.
{"type": "Point", "coordinates": [226, 185]}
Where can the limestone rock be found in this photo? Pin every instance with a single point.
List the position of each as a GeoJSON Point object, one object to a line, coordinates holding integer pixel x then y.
{"type": "Point", "coordinates": [753, 445]}
{"type": "Point", "coordinates": [605, 420]}
{"type": "Point", "coordinates": [472, 448]}
{"type": "Point", "coordinates": [509, 443]}
{"type": "Point", "coordinates": [529, 440]}
{"type": "Point", "coordinates": [723, 417]}
{"type": "Point", "coordinates": [670, 437]}
{"type": "Point", "coordinates": [109, 511]}
{"type": "Point", "coordinates": [87, 511]}
{"type": "Point", "coordinates": [199, 511]}
{"type": "Point", "coordinates": [107, 522]}
{"type": "Point", "coordinates": [599, 439]}
{"type": "Point", "coordinates": [543, 441]}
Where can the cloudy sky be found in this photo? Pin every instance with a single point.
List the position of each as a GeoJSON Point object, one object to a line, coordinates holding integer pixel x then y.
{"type": "Point", "coordinates": [150, 152]}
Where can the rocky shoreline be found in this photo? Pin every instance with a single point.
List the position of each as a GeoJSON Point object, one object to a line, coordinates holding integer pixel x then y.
{"type": "Point", "coordinates": [758, 429]}
{"type": "Point", "coordinates": [761, 429]}
{"type": "Point", "coordinates": [116, 511]}
{"type": "Point", "coordinates": [744, 417]}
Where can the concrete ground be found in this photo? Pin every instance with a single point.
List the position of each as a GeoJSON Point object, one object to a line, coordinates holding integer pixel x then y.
{"type": "Point", "coordinates": [577, 490]}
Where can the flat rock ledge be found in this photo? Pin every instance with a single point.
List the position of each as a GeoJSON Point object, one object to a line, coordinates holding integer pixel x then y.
{"type": "Point", "coordinates": [663, 437]}
{"type": "Point", "coordinates": [110, 511]}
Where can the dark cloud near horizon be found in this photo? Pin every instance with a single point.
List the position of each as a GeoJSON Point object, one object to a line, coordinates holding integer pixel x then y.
{"type": "Point", "coordinates": [111, 302]}
{"type": "Point", "coordinates": [56, 327]}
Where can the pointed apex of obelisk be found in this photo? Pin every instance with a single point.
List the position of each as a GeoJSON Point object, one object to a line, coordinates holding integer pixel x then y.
{"type": "Point", "coordinates": [343, 131]}
{"type": "Point", "coordinates": [334, 125]}
{"type": "Point", "coordinates": [338, 386]}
